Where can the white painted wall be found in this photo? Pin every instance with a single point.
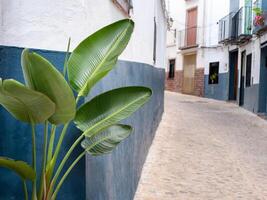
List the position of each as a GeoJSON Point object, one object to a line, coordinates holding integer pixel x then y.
{"type": "Point", "coordinates": [48, 24]}
{"type": "Point", "coordinates": [209, 13]}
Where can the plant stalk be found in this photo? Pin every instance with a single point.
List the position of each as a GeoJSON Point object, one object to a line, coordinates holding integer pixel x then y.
{"type": "Point", "coordinates": [66, 58]}
{"type": "Point", "coordinates": [25, 189]}
{"type": "Point", "coordinates": [40, 193]}
{"type": "Point", "coordinates": [66, 175]}
{"type": "Point", "coordinates": [34, 197]}
{"type": "Point", "coordinates": [51, 143]}
{"type": "Point", "coordinates": [62, 164]}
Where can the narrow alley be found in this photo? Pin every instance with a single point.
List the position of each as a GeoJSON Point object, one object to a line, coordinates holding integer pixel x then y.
{"type": "Point", "coordinates": [205, 150]}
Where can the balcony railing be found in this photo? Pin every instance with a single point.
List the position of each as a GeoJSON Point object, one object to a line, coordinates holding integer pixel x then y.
{"type": "Point", "coordinates": [188, 38]}
{"type": "Point", "coordinates": [236, 27]}
{"type": "Point", "coordinates": [242, 25]}
{"type": "Point", "coordinates": [226, 31]}
{"type": "Point", "coordinates": [260, 18]}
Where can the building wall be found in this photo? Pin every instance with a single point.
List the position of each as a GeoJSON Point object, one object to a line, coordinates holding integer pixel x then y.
{"type": "Point", "coordinates": [46, 26]}
{"type": "Point", "coordinates": [209, 13]}
{"type": "Point", "coordinates": [41, 24]}
{"type": "Point", "coordinates": [217, 91]}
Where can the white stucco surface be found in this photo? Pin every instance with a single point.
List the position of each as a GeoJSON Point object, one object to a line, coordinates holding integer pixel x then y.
{"type": "Point", "coordinates": [209, 13]}
{"type": "Point", "coordinates": [48, 24]}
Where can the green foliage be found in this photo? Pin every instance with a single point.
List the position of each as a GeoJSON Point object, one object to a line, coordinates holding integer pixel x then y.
{"type": "Point", "coordinates": [42, 76]}
{"type": "Point", "coordinates": [23, 103]}
{"type": "Point", "coordinates": [109, 108]}
{"type": "Point", "coordinates": [105, 142]}
{"type": "Point", "coordinates": [258, 11]}
{"type": "Point", "coordinates": [47, 98]}
{"type": "Point", "coordinates": [21, 168]}
{"type": "Point", "coordinates": [94, 57]}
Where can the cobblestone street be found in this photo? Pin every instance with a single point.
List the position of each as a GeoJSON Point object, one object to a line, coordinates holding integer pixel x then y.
{"type": "Point", "coordinates": [206, 150]}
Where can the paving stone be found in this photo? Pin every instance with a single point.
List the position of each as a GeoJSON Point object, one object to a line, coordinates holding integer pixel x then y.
{"type": "Point", "coordinates": [206, 150]}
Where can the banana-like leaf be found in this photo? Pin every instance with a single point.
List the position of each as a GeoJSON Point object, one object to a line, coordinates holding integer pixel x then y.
{"type": "Point", "coordinates": [23, 103]}
{"type": "Point", "coordinates": [109, 108]}
{"type": "Point", "coordinates": [105, 142]}
{"type": "Point", "coordinates": [42, 76]}
{"type": "Point", "coordinates": [94, 57]}
{"type": "Point", "coordinates": [25, 171]}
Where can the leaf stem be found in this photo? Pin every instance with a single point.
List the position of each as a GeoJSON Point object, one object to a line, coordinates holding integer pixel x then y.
{"type": "Point", "coordinates": [25, 189]}
{"type": "Point", "coordinates": [66, 174]}
{"type": "Point", "coordinates": [40, 193]}
{"type": "Point", "coordinates": [66, 58]}
{"type": "Point", "coordinates": [51, 143]}
{"type": "Point", "coordinates": [33, 160]}
{"type": "Point", "coordinates": [62, 164]}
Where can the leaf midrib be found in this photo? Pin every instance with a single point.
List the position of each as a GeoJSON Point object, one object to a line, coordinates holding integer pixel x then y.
{"type": "Point", "coordinates": [104, 59]}
{"type": "Point", "coordinates": [115, 113]}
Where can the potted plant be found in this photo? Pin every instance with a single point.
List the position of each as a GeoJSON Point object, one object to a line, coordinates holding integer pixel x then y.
{"type": "Point", "coordinates": [47, 98]}
{"type": "Point", "coordinates": [259, 19]}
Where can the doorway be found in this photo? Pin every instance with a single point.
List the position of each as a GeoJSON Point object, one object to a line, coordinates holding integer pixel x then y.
{"type": "Point", "coordinates": [233, 75]}
{"type": "Point", "coordinates": [171, 69]}
{"type": "Point", "coordinates": [242, 78]}
{"type": "Point", "coordinates": [189, 74]}
{"type": "Point", "coordinates": [263, 82]}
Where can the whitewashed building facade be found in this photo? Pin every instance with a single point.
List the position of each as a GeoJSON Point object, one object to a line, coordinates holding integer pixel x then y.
{"type": "Point", "coordinates": [44, 26]}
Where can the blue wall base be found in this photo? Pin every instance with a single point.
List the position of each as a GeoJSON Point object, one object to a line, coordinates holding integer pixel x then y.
{"type": "Point", "coordinates": [111, 177]}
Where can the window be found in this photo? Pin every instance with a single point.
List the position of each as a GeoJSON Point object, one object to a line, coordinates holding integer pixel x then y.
{"type": "Point", "coordinates": [171, 69]}
{"type": "Point", "coordinates": [248, 70]}
{"type": "Point", "coordinates": [124, 5]}
{"type": "Point", "coordinates": [214, 73]}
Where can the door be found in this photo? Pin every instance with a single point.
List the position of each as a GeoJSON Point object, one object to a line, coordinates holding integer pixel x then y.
{"type": "Point", "coordinates": [191, 27]}
{"type": "Point", "coordinates": [189, 74]}
{"type": "Point", "coordinates": [233, 79]}
{"type": "Point", "coordinates": [242, 79]}
{"type": "Point", "coordinates": [263, 82]}
{"type": "Point", "coordinates": [171, 69]}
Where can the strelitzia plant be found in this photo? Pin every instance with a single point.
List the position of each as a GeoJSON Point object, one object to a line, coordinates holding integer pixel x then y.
{"type": "Point", "coordinates": [48, 98]}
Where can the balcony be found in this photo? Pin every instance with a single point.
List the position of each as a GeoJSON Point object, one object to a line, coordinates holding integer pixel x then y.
{"type": "Point", "coordinates": [236, 28]}
{"type": "Point", "coordinates": [227, 29]}
{"type": "Point", "coordinates": [188, 38]}
{"type": "Point", "coordinates": [242, 25]}
{"type": "Point", "coordinates": [260, 17]}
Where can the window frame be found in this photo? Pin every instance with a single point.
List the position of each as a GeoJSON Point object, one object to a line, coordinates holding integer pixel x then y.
{"type": "Point", "coordinates": [171, 74]}
{"type": "Point", "coordinates": [213, 65]}
{"type": "Point", "coordinates": [248, 82]}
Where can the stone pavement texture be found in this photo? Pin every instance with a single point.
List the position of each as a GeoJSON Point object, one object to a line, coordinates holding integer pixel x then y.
{"type": "Point", "coordinates": [206, 150]}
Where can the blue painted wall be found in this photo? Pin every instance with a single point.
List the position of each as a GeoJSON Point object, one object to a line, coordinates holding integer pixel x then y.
{"type": "Point", "coordinates": [109, 177]}
{"type": "Point", "coordinates": [115, 176]}
{"type": "Point", "coordinates": [251, 98]}
{"type": "Point", "coordinates": [15, 137]}
{"type": "Point", "coordinates": [218, 91]}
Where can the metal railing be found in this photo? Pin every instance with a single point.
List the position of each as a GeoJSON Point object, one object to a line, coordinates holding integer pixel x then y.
{"type": "Point", "coordinates": [226, 28]}
{"type": "Point", "coordinates": [188, 38]}
{"type": "Point", "coordinates": [242, 22]}
{"type": "Point", "coordinates": [236, 27]}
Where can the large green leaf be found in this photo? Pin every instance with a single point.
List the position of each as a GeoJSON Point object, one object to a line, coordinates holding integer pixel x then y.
{"type": "Point", "coordinates": [105, 142]}
{"type": "Point", "coordinates": [42, 76]}
{"type": "Point", "coordinates": [25, 171]}
{"type": "Point", "coordinates": [25, 104]}
{"type": "Point", "coordinates": [94, 57]}
{"type": "Point", "coordinates": [109, 108]}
